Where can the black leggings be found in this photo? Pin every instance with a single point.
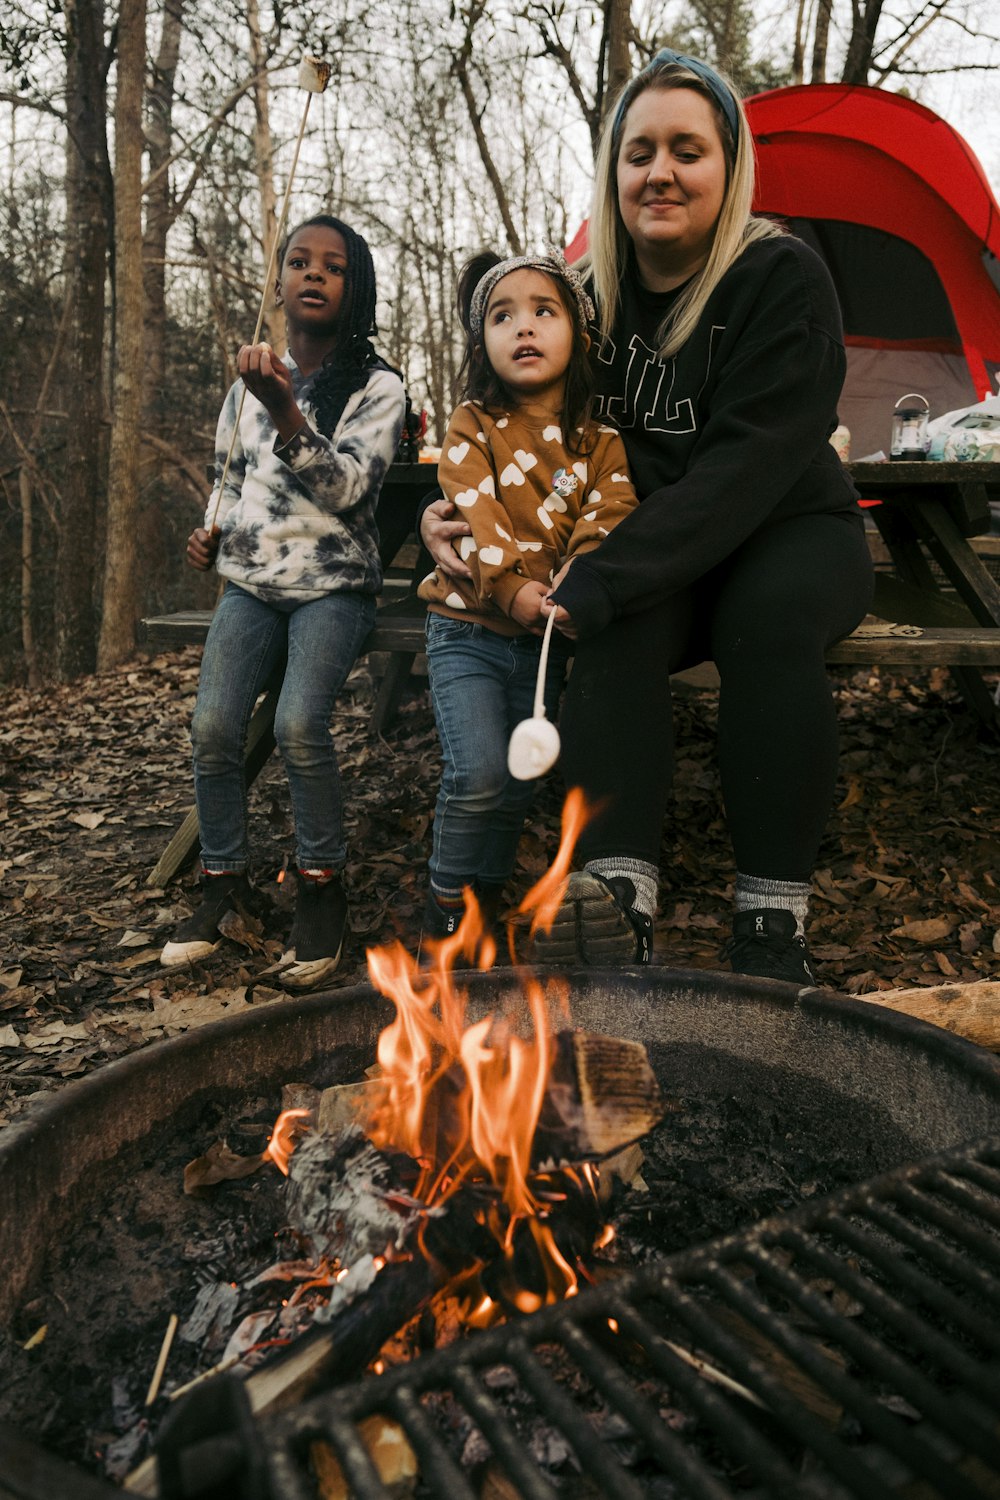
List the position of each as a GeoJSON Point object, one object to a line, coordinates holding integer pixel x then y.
{"type": "Point", "coordinates": [765, 617]}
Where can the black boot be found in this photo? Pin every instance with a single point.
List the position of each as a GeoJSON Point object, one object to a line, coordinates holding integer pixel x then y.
{"type": "Point", "coordinates": [200, 935]}
{"type": "Point", "coordinates": [318, 930]}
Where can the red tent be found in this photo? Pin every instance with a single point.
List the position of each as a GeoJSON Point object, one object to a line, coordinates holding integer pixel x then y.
{"type": "Point", "coordinates": [899, 207]}
{"type": "Point", "coordinates": [901, 211]}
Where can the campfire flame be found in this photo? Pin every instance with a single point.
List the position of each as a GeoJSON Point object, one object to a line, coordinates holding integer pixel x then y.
{"type": "Point", "coordinates": [463, 1101]}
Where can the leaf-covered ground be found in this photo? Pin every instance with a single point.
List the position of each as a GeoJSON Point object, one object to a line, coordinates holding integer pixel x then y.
{"type": "Point", "coordinates": [95, 777]}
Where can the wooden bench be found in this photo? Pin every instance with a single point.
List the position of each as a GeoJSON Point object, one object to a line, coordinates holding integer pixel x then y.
{"type": "Point", "coordinates": [399, 632]}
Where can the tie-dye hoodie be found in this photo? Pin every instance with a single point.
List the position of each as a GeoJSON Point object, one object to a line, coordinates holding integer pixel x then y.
{"type": "Point", "coordinates": [298, 518]}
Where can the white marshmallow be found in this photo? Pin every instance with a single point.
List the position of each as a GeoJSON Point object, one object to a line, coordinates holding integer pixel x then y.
{"type": "Point", "coordinates": [314, 75]}
{"type": "Point", "coordinates": [533, 749]}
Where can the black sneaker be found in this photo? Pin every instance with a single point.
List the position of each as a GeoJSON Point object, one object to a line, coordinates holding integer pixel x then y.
{"type": "Point", "coordinates": [764, 943]}
{"type": "Point", "coordinates": [597, 925]}
{"type": "Point", "coordinates": [317, 933]}
{"type": "Point", "coordinates": [200, 935]}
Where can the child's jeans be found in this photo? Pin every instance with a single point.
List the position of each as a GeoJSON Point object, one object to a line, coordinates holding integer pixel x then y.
{"type": "Point", "coordinates": [482, 684]}
{"type": "Point", "coordinates": [247, 642]}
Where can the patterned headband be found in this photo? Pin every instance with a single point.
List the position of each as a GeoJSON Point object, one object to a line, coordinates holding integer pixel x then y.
{"type": "Point", "coordinates": [553, 265]}
{"type": "Point", "coordinates": [720, 91]}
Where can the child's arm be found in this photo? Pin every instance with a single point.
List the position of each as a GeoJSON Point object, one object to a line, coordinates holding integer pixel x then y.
{"type": "Point", "coordinates": [347, 469]}
{"type": "Point", "coordinates": [608, 498]}
{"type": "Point", "coordinates": [468, 478]}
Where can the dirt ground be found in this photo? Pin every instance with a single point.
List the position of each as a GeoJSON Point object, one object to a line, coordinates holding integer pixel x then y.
{"type": "Point", "coordinates": [95, 777]}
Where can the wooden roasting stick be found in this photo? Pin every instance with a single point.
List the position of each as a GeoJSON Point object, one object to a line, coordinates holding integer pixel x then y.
{"type": "Point", "coordinates": [313, 77]}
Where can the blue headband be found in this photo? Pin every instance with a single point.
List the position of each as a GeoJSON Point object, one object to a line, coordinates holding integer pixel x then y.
{"type": "Point", "coordinates": [719, 90]}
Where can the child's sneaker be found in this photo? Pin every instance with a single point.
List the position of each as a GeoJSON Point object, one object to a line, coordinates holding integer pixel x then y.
{"type": "Point", "coordinates": [764, 944]}
{"type": "Point", "coordinates": [317, 938]}
{"type": "Point", "coordinates": [200, 935]}
{"type": "Point", "coordinates": [597, 925]}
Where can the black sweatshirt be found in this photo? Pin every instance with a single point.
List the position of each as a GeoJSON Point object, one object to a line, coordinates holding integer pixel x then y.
{"type": "Point", "coordinates": [725, 436]}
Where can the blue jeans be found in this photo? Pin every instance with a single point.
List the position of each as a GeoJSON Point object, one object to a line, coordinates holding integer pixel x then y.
{"type": "Point", "coordinates": [248, 641]}
{"type": "Point", "coordinates": [482, 684]}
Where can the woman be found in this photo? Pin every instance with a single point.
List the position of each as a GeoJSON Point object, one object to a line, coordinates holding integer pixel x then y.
{"type": "Point", "coordinates": [719, 356]}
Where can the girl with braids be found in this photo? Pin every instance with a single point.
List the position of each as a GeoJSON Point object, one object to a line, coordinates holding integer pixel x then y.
{"type": "Point", "coordinates": [297, 545]}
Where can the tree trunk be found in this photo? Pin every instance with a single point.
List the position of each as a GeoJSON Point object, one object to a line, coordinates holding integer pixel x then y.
{"type": "Point", "coordinates": [799, 44]}
{"type": "Point", "coordinates": [159, 216]}
{"type": "Point", "coordinates": [618, 24]}
{"type": "Point", "coordinates": [274, 325]}
{"type": "Point", "coordinates": [821, 35]}
{"type": "Point", "coordinates": [864, 24]}
{"type": "Point", "coordinates": [120, 583]}
{"type": "Point", "coordinates": [86, 254]}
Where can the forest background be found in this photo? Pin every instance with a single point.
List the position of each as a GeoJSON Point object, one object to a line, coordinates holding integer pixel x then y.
{"type": "Point", "coordinates": [144, 152]}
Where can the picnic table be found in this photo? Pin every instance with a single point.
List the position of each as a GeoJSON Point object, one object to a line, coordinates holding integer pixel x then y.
{"type": "Point", "coordinates": [940, 605]}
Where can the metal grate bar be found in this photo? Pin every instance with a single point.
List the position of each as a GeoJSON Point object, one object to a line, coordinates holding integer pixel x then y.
{"type": "Point", "coordinates": [915, 1332]}
{"type": "Point", "coordinates": [900, 1438]}
{"type": "Point", "coordinates": [619, 1391]}
{"type": "Point", "coordinates": [970, 1197]}
{"type": "Point", "coordinates": [506, 1445]}
{"type": "Point", "coordinates": [930, 1293]}
{"type": "Point", "coordinates": [934, 1250]}
{"type": "Point", "coordinates": [831, 1379]}
{"type": "Point", "coordinates": [920, 1201]}
{"type": "Point", "coordinates": [289, 1461]}
{"type": "Point", "coordinates": [437, 1466]}
{"type": "Point", "coordinates": [721, 1415]}
{"type": "Point", "coordinates": [981, 1173]}
{"type": "Point", "coordinates": [594, 1455]}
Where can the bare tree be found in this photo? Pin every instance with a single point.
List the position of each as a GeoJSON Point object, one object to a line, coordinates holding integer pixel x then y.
{"type": "Point", "coordinates": [88, 213]}
{"type": "Point", "coordinates": [120, 601]}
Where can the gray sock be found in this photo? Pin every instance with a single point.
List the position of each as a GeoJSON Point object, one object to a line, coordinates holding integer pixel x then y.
{"type": "Point", "coordinates": [755, 893]}
{"type": "Point", "coordinates": [644, 877]}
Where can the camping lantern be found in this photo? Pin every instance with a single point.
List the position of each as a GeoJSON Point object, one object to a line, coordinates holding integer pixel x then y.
{"type": "Point", "coordinates": [910, 438]}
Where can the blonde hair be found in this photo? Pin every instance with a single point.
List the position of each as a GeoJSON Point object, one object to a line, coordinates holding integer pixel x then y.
{"type": "Point", "coordinates": [735, 229]}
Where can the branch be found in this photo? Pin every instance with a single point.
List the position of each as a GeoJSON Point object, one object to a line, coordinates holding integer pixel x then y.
{"type": "Point", "coordinates": [460, 69]}
{"type": "Point", "coordinates": [6, 97]}
{"type": "Point", "coordinates": [214, 121]}
{"type": "Point", "coordinates": [39, 480]}
{"type": "Point", "coordinates": [194, 477]}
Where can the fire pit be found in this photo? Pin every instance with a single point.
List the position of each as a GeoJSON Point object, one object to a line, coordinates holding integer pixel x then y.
{"type": "Point", "coordinates": [874, 1091]}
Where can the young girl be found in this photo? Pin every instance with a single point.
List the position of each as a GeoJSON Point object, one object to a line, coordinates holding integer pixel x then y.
{"type": "Point", "coordinates": [298, 547]}
{"type": "Point", "coordinates": [538, 484]}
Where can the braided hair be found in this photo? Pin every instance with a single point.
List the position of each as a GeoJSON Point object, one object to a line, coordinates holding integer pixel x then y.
{"type": "Point", "coordinates": [345, 369]}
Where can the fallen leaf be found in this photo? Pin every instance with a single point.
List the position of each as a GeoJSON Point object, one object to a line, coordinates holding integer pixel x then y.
{"type": "Point", "coordinates": [10, 978]}
{"type": "Point", "coordinates": [219, 1164]}
{"type": "Point", "coordinates": [38, 1337]}
{"type": "Point", "coordinates": [130, 939]}
{"type": "Point", "coordinates": [928, 930]}
{"type": "Point", "coordinates": [89, 820]}
{"type": "Point", "coordinates": [9, 1037]}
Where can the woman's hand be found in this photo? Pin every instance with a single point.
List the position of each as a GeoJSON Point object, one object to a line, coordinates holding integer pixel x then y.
{"type": "Point", "coordinates": [267, 378]}
{"type": "Point", "coordinates": [202, 547]}
{"type": "Point", "coordinates": [438, 530]}
{"type": "Point", "coordinates": [564, 621]}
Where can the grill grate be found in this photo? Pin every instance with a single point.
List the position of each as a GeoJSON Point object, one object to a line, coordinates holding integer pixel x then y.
{"type": "Point", "coordinates": [853, 1350]}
